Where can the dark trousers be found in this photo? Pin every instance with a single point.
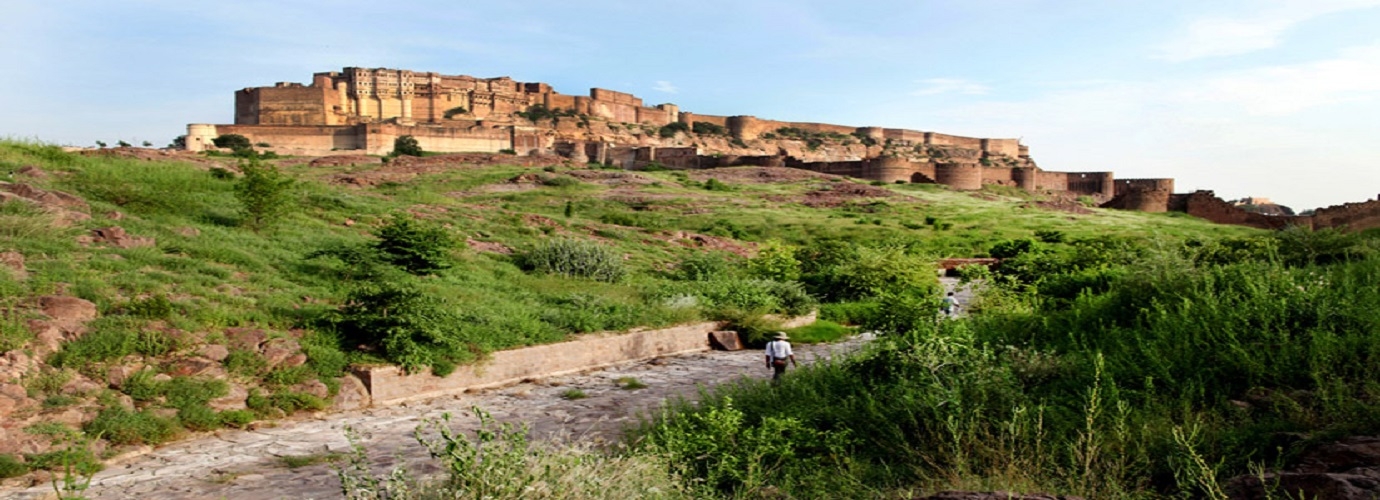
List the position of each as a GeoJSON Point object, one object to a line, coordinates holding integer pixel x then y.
{"type": "Point", "coordinates": [777, 369]}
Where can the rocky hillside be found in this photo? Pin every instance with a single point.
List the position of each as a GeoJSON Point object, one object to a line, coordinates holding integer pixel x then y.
{"type": "Point", "coordinates": [147, 294]}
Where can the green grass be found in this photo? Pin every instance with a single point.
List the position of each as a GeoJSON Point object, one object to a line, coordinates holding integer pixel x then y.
{"type": "Point", "coordinates": [207, 272]}
{"type": "Point", "coordinates": [1162, 378]}
{"type": "Point", "coordinates": [821, 331]}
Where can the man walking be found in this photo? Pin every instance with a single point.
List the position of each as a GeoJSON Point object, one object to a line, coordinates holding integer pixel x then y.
{"type": "Point", "coordinates": [778, 351]}
{"type": "Point", "coordinates": [951, 305]}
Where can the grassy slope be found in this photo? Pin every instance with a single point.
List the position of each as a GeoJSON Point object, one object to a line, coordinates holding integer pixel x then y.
{"type": "Point", "coordinates": [218, 275]}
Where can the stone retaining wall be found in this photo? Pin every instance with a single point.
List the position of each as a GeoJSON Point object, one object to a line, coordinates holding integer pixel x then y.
{"type": "Point", "coordinates": [390, 385]}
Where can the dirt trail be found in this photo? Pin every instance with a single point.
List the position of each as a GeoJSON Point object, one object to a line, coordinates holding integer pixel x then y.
{"type": "Point", "coordinates": [247, 464]}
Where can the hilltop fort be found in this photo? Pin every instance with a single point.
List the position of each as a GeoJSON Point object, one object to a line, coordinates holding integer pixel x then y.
{"type": "Point", "coordinates": [361, 110]}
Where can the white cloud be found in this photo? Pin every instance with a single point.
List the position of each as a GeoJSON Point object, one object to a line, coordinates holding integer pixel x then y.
{"type": "Point", "coordinates": [665, 86]}
{"type": "Point", "coordinates": [1282, 90]}
{"type": "Point", "coordinates": [1228, 36]}
{"type": "Point", "coordinates": [936, 86]}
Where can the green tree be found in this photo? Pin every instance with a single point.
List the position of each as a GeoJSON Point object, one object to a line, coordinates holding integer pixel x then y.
{"type": "Point", "coordinates": [775, 261]}
{"type": "Point", "coordinates": [265, 194]}
{"type": "Point", "coordinates": [406, 145]}
{"type": "Point", "coordinates": [233, 142]}
{"type": "Point", "coordinates": [417, 246]}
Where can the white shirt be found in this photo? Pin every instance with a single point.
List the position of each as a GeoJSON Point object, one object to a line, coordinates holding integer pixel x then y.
{"type": "Point", "coordinates": [779, 349]}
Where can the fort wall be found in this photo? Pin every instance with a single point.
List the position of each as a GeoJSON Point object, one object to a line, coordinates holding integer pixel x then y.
{"type": "Point", "coordinates": [1127, 185]}
{"type": "Point", "coordinates": [298, 140]}
{"type": "Point", "coordinates": [691, 118]}
{"type": "Point", "coordinates": [960, 176]}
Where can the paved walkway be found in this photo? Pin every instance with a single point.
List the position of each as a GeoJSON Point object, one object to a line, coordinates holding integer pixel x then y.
{"type": "Point", "coordinates": [248, 464]}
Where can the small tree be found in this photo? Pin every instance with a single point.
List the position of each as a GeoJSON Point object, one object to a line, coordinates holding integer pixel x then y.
{"type": "Point", "coordinates": [406, 145]}
{"type": "Point", "coordinates": [417, 246]}
{"type": "Point", "coordinates": [179, 142]}
{"type": "Point", "coordinates": [233, 142]}
{"type": "Point", "coordinates": [264, 194]}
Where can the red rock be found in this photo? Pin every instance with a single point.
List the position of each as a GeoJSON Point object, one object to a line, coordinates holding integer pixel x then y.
{"type": "Point", "coordinates": [190, 367]}
{"type": "Point", "coordinates": [725, 340]}
{"type": "Point", "coordinates": [279, 351]}
{"type": "Point", "coordinates": [352, 395]}
{"type": "Point", "coordinates": [117, 237]}
{"type": "Point", "coordinates": [245, 338]}
{"type": "Point", "coordinates": [232, 400]}
{"type": "Point", "coordinates": [215, 352]}
{"type": "Point", "coordinates": [67, 310]}
{"type": "Point", "coordinates": [313, 387]}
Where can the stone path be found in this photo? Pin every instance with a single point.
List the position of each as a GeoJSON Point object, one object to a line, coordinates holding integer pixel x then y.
{"type": "Point", "coordinates": [248, 464]}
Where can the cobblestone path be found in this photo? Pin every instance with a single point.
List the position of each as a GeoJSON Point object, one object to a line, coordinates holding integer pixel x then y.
{"type": "Point", "coordinates": [248, 464]}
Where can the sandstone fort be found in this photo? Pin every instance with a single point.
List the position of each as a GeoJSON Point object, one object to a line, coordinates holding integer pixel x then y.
{"type": "Point", "coordinates": [360, 110]}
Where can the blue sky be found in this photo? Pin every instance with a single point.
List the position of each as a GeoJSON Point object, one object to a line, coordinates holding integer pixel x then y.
{"type": "Point", "coordinates": [1275, 98]}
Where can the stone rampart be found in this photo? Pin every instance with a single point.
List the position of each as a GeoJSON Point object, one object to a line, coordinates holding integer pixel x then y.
{"type": "Point", "coordinates": [962, 176]}
{"type": "Point", "coordinates": [1353, 216]}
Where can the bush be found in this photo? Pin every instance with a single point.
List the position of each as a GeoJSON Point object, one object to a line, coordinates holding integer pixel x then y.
{"type": "Point", "coordinates": [121, 427]}
{"type": "Point", "coordinates": [264, 194]}
{"type": "Point", "coordinates": [416, 246]}
{"type": "Point", "coordinates": [775, 261]}
{"type": "Point", "coordinates": [576, 259]}
{"type": "Point", "coordinates": [411, 328]}
{"type": "Point", "coordinates": [670, 130]}
{"type": "Point", "coordinates": [407, 145]}
{"type": "Point", "coordinates": [233, 142]}
{"type": "Point", "coordinates": [706, 128]}
{"type": "Point", "coordinates": [704, 266]}
{"type": "Point", "coordinates": [716, 185]}
{"type": "Point", "coordinates": [559, 181]}
{"type": "Point", "coordinates": [10, 466]}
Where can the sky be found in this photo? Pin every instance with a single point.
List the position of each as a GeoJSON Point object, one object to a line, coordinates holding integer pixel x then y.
{"type": "Point", "coordinates": [1269, 98]}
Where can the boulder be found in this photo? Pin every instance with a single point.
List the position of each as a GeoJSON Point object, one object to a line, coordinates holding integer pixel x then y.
{"type": "Point", "coordinates": [14, 364]}
{"type": "Point", "coordinates": [117, 237]}
{"type": "Point", "coordinates": [725, 340]}
{"type": "Point", "coordinates": [247, 339]}
{"type": "Point", "coordinates": [232, 400]}
{"type": "Point", "coordinates": [353, 395]}
{"type": "Point", "coordinates": [214, 352]}
{"type": "Point", "coordinates": [313, 387]}
{"type": "Point", "coordinates": [67, 312]}
{"type": "Point", "coordinates": [117, 375]}
{"type": "Point", "coordinates": [1345, 470]}
{"type": "Point", "coordinates": [280, 350]}
{"type": "Point", "coordinates": [197, 366]}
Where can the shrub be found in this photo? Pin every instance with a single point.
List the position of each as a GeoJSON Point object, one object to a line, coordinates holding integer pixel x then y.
{"type": "Point", "coordinates": [741, 458]}
{"type": "Point", "coordinates": [573, 394]}
{"type": "Point", "coordinates": [121, 426]}
{"type": "Point", "coordinates": [707, 128]}
{"type": "Point", "coordinates": [407, 145]}
{"type": "Point", "coordinates": [670, 130]}
{"type": "Point", "coordinates": [264, 194]}
{"type": "Point", "coordinates": [221, 174]}
{"type": "Point", "coordinates": [233, 142]}
{"type": "Point", "coordinates": [10, 466]}
{"type": "Point", "coordinates": [411, 328]}
{"type": "Point", "coordinates": [775, 261]}
{"type": "Point", "coordinates": [559, 181]}
{"type": "Point", "coordinates": [704, 266]}
{"type": "Point", "coordinates": [416, 246]}
{"type": "Point", "coordinates": [236, 418]}
{"type": "Point", "coordinates": [576, 259]}
{"type": "Point", "coordinates": [716, 185]}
